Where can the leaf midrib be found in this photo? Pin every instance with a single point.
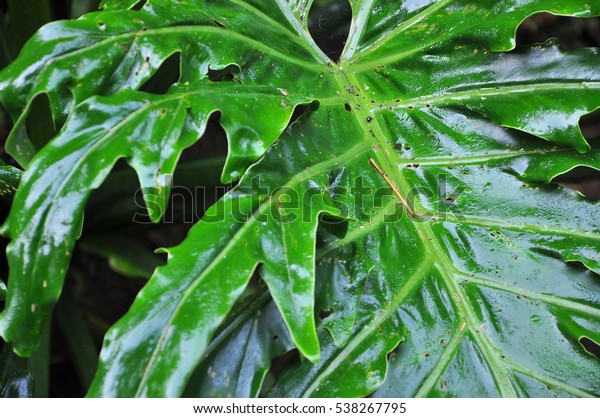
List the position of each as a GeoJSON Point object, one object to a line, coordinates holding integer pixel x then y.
{"type": "Point", "coordinates": [443, 362]}
{"type": "Point", "coordinates": [378, 220]}
{"type": "Point", "coordinates": [116, 38]}
{"type": "Point", "coordinates": [429, 10]}
{"type": "Point", "coordinates": [272, 22]}
{"type": "Point", "coordinates": [357, 28]}
{"type": "Point", "coordinates": [521, 226]}
{"type": "Point", "coordinates": [530, 294]}
{"type": "Point", "coordinates": [499, 89]}
{"type": "Point", "coordinates": [462, 305]}
{"type": "Point", "coordinates": [385, 154]}
{"type": "Point", "coordinates": [381, 147]}
{"type": "Point", "coordinates": [477, 159]}
{"type": "Point", "coordinates": [368, 331]}
{"type": "Point", "coordinates": [380, 144]}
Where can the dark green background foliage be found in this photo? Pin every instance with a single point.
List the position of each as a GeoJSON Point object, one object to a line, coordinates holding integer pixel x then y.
{"type": "Point", "coordinates": [405, 164]}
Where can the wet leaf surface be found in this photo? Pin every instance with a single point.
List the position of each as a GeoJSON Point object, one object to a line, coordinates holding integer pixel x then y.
{"type": "Point", "coordinates": [449, 264]}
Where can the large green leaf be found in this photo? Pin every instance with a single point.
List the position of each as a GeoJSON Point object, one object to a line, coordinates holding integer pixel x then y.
{"type": "Point", "coordinates": [459, 257]}
{"type": "Point", "coordinates": [80, 158]}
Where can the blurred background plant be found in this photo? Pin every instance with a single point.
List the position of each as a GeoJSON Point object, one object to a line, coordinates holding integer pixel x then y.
{"type": "Point", "coordinates": [115, 255]}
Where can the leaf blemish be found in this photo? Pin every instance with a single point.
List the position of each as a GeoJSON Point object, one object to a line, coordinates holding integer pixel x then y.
{"type": "Point", "coordinates": [219, 24]}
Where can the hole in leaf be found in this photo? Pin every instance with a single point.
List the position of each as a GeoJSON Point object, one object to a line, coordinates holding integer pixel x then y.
{"type": "Point", "coordinates": [280, 364]}
{"type": "Point", "coordinates": [167, 74]}
{"type": "Point", "coordinates": [329, 25]}
{"type": "Point", "coordinates": [571, 32]}
{"type": "Point", "coordinates": [139, 5]}
{"type": "Point", "coordinates": [212, 145]}
{"type": "Point", "coordinates": [182, 206]}
{"type": "Point", "coordinates": [347, 107]}
{"type": "Point", "coordinates": [228, 73]}
{"type": "Point", "coordinates": [219, 24]}
{"type": "Point", "coordinates": [325, 314]}
{"type": "Point", "coordinates": [590, 346]}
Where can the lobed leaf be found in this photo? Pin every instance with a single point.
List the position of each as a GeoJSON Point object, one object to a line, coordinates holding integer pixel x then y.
{"type": "Point", "coordinates": [461, 270]}
{"type": "Point", "coordinates": [151, 133]}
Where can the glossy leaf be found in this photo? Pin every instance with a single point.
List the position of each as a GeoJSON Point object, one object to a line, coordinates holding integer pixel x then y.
{"type": "Point", "coordinates": [209, 279]}
{"type": "Point", "coordinates": [238, 358]}
{"type": "Point", "coordinates": [9, 180]}
{"type": "Point", "coordinates": [15, 380]}
{"type": "Point", "coordinates": [461, 269]}
{"type": "Point", "coordinates": [80, 158]}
